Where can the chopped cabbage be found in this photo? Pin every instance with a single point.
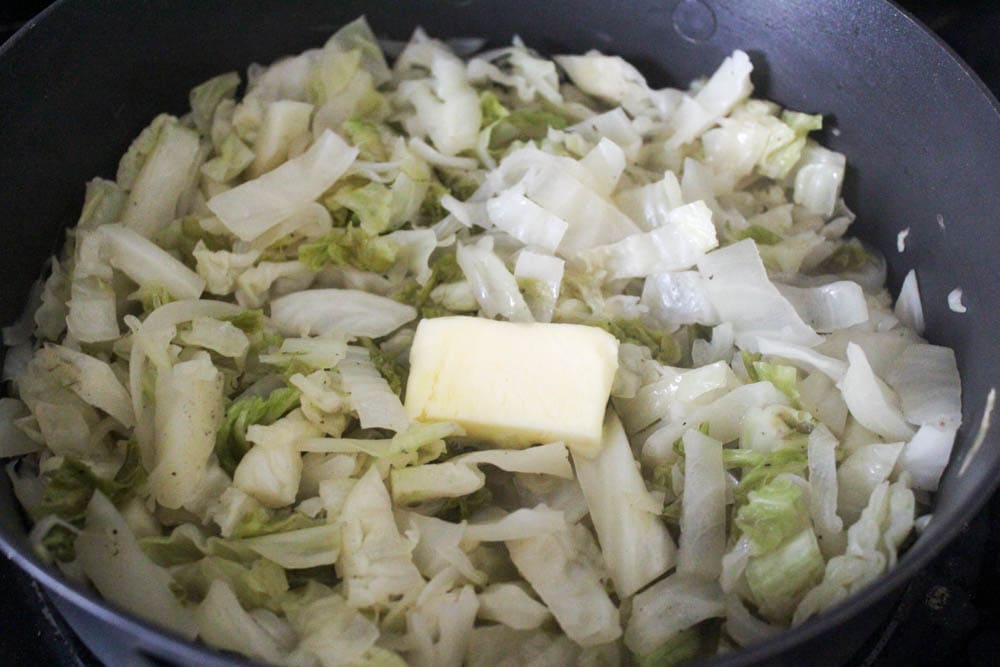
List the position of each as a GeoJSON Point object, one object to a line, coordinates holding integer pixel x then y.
{"type": "Point", "coordinates": [872, 542]}
{"type": "Point", "coordinates": [668, 607]}
{"type": "Point", "coordinates": [188, 399]}
{"type": "Point", "coordinates": [371, 397]}
{"type": "Point", "coordinates": [376, 563]}
{"type": "Point", "coordinates": [250, 209]}
{"type": "Point", "coordinates": [677, 244]}
{"type": "Point", "coordinates": [223, 622]}
{"type": "Point", "coordinates": [321, 312]}
{"type": "Point", "coordinates": [560, 568]}
{"type": "Point", "coordinates": [635, 543]}
{"type": "Point", "coordinates": [703, 521]}
{"type": "Point", "coordinates": [205, 393]}
{"type": "Point", "coordinates": [870, 400]}
{"type": "Point", "coordinates": [926, 379]}
{"type": "Point", "coordinates": [829, 307]}
{"type": "Point", "coordinates": [167, 171]}
{"type": "Point", "coordinates": [111, 558]}
{"type": "Point", "coordinates": [493, 285]}
{"type": "Point", "coordinates": [740, 291]}
{"type": "Point", "coordinates": [510, 605]}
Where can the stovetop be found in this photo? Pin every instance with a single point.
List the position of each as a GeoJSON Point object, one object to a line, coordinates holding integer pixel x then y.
{"type": "Point", "coordinates": [950, 613]}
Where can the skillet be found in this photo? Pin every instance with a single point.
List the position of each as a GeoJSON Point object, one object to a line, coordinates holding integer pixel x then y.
{"type": "Point", "coordinates": [920, 131]}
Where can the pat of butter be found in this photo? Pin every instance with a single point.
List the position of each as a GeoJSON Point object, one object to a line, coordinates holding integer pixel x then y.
{"type": "Point", "coordinates": [514, 384]}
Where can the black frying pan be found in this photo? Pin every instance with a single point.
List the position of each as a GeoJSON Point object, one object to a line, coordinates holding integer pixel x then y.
{"type": "Point", "coordinates": [921, 133]}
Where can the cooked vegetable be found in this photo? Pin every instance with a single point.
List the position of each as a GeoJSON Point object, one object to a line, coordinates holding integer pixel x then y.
{"type": "Point", "coordinates": [475, 361]}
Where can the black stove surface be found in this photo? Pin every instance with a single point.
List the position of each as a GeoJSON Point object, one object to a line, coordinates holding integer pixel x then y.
{"type": "Point", "coordinates": [950, 613]}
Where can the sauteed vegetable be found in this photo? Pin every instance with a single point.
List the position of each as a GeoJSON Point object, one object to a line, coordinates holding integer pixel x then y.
{"type": "Point", "coordinates": [481, 358]}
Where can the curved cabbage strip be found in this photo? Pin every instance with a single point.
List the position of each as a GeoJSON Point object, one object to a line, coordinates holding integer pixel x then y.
{"type": "Point", "coordinates": [679, 297]}
{"type": "Point", "coordinates": [89, 378]}
{"type": "Point", "coordinates": [860, 473]}
{"type": "Point", "coordinates": [823, 488]}
{"type": "Point", "coordinates": [376, 404]}
{"type": "Point", "coordinates": [320, 353]}
{"type": "Point", "coordinates": [669, 606]}
{"type": "Point", "coordinates": [724, 417]}
{"type": "Point", "coordinates": [147, 339]}
{"type": "Point", "coordinates": [635, 543]}
{"type": "Point", "coordinates": [252, 208]}
{"type": "Point", "coordinates": [299, 549]}
{"type": "Point", "coordinates": [811, 359]}
{"type": "Point", "coordinates": [550, 459]}
{"type": "Point", "coordinates": [703, 517]}
{"type": "Point", "coordinates": [439, 628]}
{"type": "Point", "coordinates": [438, 159]}
{"type": "Point", "coordinates": [558, 567]}
{"type": "Point", "coordinates": [742, 294]}
{"type": "Point", "coordinates": [147, 263]}
{"type": "Point", "coordinates": [416, 484]}
{"type": "Point", "coordinates": [376, 562]}
{"type": "Point", "coordinates": [908, 307]}
{"type": "Point", "coordinates": [871, 402]}
{"type": "Point", "coordinates": [826, 308]}
{"type": "Point", "coordinates": [743, 627]}
{"type": "Point", "coordinates": [681, 241]}
{"type": "Point", "coordinates": [870, 543]}
{"type": "Point", "coordinates": [510, 605]}
{"type": "Point", "coordinates": [189, 411]}
{"type": "Point", "coordinates": [320, 312]}
{"type": "Point", "coordinates": [111, 558]}
{"type": "Point", "coordinates": [926, 455]}
{"type": "Point", "coordinates": [929, 387]}
{"type": "Point", "coordinates": [520, 524]}
{"type": "Point", "coordinates": [223, 623]}
{"type": "Point", "coordinates": [544, 274]}
{"type": "Point", "coordinates": [493, 285]}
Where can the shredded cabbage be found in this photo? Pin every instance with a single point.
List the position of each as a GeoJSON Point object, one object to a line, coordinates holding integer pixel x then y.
{"type": "Point", "coordinates": [207, 422]}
